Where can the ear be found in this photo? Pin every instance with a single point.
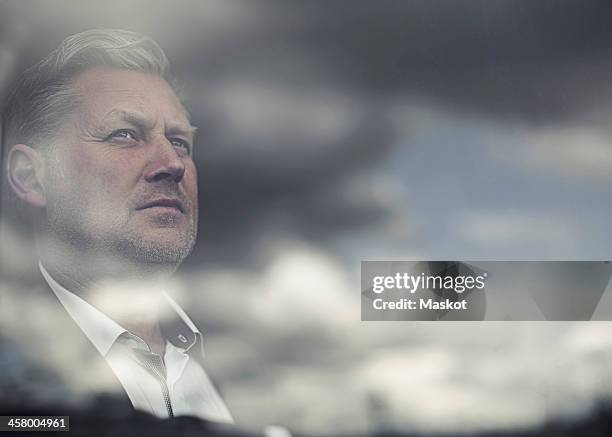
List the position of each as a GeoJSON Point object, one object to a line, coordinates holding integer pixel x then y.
{"type": "Point", "coordinates": [26, 174]}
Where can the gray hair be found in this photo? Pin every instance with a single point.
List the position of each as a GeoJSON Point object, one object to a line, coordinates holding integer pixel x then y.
{"type": "Point", "coordinates": [43, 97]}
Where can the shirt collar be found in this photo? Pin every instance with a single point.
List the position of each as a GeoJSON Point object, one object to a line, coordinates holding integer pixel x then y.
{"type": "Point", "coordinates": [176, 326]}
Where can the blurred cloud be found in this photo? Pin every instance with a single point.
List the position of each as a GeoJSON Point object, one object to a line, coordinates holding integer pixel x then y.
{"type": "Point", "coordinates": [304, 120]}
{"type": "Point", "coordinates": [579, 152]}
{"type": "Point", "coordinates": [287, 344]}
{"type": "Point", "coordinates": [509, 228]}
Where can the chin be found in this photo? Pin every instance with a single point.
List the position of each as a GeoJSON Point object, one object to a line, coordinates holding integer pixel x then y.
{"type": "Point", "coordinates": [170, 251]}
{"type": "Point", "coordinates": [161, 255]}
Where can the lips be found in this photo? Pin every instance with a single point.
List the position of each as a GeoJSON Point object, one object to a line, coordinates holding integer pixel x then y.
{"type": "Point", "coordinates": [165, 203]}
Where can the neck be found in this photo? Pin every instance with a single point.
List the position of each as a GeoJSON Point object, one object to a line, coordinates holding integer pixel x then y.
{"type": "Point", "coordinates": [127, 292]}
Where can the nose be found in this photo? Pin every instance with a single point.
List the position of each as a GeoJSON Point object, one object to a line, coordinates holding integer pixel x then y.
{"type": "Point", "coordinates": [165, 163]}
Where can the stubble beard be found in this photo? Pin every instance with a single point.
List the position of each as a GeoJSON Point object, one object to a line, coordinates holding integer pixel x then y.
{"type": "Point", "coordinates": [108, 239]}
{"type": "Point", "coordinates": [155, 253]}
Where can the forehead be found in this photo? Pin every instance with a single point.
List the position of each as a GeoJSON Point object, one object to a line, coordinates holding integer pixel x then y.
{"type": "Point", "coordinates": [105, 90]}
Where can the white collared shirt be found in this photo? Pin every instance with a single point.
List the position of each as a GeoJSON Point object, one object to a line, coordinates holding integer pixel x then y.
{"type": "Point", "coordinates": [189, 389]}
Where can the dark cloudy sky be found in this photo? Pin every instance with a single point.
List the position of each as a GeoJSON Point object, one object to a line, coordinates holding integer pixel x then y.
{"type": "Point", "coordinates": [337, 131]}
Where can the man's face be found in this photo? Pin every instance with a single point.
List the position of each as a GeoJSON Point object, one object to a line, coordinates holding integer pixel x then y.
{"type": "Point", "coordinates": [122, 181]}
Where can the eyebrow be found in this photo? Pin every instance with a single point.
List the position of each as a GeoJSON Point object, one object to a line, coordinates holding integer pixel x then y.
{"type": "Point", "coordinates": [178, 130]}
{"type": "Point", "coordinates": [142, 122]}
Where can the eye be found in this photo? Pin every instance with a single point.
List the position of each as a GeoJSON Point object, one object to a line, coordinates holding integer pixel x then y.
{"type": "Point", "coordinates": [181, 144]}
{"type": "Point", "coordinates": [123, 134]}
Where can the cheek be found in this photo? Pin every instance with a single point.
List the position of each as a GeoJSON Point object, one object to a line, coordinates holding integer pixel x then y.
{"type": "Point", "coordinates": [91, 178]}
{"type": "Point", "coordinates": [93, 169]}
{"type": "Point", "coordinates": [190, 183]}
